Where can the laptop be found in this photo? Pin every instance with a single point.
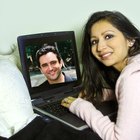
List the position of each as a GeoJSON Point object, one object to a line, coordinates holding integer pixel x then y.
{"type": "Point", "coordinates": [42, 97]}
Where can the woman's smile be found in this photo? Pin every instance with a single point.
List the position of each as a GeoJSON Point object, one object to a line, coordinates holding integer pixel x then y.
{"type": "Point", "coordinates": [104, 56]}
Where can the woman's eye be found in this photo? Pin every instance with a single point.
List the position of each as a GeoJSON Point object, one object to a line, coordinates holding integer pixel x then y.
{"type": "Point", "coordinates": [108, 36]}
{"type": "Point", "coordinates": [93, 42]}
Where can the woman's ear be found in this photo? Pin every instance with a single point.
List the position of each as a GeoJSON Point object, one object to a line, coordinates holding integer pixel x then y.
{"type": "Point", "coordinates": [131, 42]}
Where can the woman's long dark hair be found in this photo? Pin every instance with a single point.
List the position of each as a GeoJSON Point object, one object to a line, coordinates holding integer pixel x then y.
{"type": "Point", "coordinates": [95, 75]}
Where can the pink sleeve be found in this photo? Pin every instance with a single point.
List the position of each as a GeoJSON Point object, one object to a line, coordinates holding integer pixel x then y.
{"type": "Point", "coordinates": [127, 126]}
{"type": "Point", "coordinates": [128, 96]}
{"type": "Point", "coordinates": [94, 118]}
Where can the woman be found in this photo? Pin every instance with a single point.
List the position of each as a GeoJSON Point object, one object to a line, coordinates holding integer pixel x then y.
{"type": "Point", "coordinates": [111, 70]}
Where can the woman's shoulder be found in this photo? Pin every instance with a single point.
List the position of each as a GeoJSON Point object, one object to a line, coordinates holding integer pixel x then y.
{"type": "Point", "coordinates": [134, 59]}
{"type": "Point", "coordinates": [133, 65]}
{"type": "Point", "coordinates": [129, 77]}
{"type": "Point", "coordinates": [131, 70]}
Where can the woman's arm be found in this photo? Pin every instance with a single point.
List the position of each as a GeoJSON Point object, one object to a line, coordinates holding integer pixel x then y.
{"type": "Point", "coordinates": [128, 119]}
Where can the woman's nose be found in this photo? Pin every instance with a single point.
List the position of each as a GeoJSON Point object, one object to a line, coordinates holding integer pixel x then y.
{"type": "Point", "coordinates": [101, 45]}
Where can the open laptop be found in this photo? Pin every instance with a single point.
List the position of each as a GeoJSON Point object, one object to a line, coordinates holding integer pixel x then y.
{"type": "Point", "coordinates": [41, 97]}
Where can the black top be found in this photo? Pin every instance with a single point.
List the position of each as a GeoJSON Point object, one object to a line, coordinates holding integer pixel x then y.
{"type": "Point", "coordinates": [68, 78]}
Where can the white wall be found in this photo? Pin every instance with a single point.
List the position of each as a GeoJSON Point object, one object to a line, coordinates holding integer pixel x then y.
{"type": "Point", "coordinates": [18, 17]}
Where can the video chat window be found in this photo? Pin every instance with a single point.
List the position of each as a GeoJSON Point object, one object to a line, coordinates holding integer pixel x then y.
{"type": "Point", "coordinates": [66, 52]}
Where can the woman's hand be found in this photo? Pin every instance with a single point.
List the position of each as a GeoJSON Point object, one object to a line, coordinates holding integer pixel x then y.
{"type": "Point", "coordinates": [66, 102]}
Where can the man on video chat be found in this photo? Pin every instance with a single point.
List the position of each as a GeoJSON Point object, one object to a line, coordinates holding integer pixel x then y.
{"type": "Point", "coordinates": [50, 64]}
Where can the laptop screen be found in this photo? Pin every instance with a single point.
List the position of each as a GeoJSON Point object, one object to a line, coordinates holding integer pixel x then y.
{"type": "Point", "coordinates": [49, 62]}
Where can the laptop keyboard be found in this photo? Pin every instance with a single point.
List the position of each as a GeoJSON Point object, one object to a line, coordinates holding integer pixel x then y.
{"type": "Point", "coordinates": [55, 108]}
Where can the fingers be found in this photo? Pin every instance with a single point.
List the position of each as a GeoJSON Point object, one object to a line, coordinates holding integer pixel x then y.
{"type": "Point", "coordinates": [67, 101]}
{"type": "Point", "coordinates": [65, 104]}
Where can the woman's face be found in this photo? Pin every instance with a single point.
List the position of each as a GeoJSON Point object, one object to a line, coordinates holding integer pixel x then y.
{"type": "Point", "coordinates": [109, 45]}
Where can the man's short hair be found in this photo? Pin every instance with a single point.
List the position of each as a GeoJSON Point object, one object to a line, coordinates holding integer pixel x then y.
{"type": "Point", "coordinates": [46, 49]}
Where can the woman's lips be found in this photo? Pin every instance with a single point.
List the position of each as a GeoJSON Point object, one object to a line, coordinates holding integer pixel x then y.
{"type": "Point", "coordinates": [105, 55]}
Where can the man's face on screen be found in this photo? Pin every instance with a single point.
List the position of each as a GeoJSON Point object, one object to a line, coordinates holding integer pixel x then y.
{"type": "Point", "coordinates": [50, 67]}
